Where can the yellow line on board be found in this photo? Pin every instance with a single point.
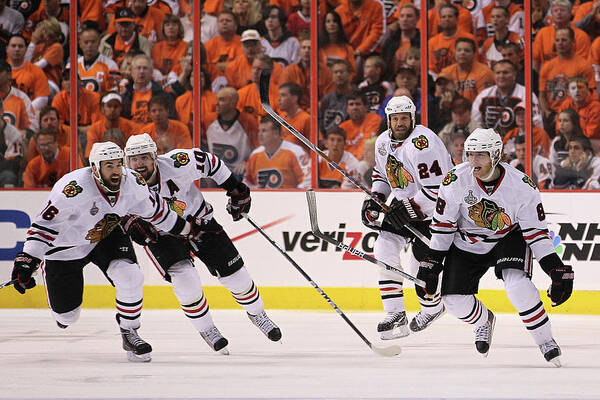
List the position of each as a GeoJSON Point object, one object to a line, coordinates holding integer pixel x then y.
{"type": "Point", "coordinates": [293, 298]}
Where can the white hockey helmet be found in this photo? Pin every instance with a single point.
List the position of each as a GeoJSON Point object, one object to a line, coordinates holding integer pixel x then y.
{"type": "Point", "coordinates": [401, 104]}
{"type": "Point", "coordinates": [140, 144]}
{"type": "Point", "coordinates": [104, 151]}
{"type": "Point", "coordinates": [487, 140]}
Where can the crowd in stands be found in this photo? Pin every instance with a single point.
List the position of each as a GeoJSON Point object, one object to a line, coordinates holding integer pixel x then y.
{"type": "Point", "coordinates": [135, 75]}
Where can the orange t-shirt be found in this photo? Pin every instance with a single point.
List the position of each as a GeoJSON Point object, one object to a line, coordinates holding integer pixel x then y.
{"type": "Point", "coordinates": [541, 140]}
{"type": "Point", "coordinates": [31, 80]}
{"type": "Point", "coordinates": [555, 73]}
{"type": "Point", "coordinates": [441, 50]}
{"type": "Point", "coordinates": [357, 134]}
{"type": "Point", "coordinates": [465, 21]}
{"type": "Point", "coordinates": [15, 112]}
{"type": "Point", "coordinates": [139, 106]}
{"type": "Point", "coordinates": [97, 130]}
{"type": "Point", "coordinates": [166, 56]}
{"type": "Point", "coordinates": [218, 50]}
{"type": "Point", "coordinates": [53, 54]}
{"type": "Point", "coordinates": [63, 139]}
{"type": "Point", "coordinates": [184, 106]}
{"type": "Point", "coordinates": [283, 170]}
{"type": "Point", "coordinates": [148, 26]}
{"type": "Point", "coordinates": [470, 83]}
{"type": "Point", "coordinates": [239, 73]}
{"type": "Point", "coordinates": [88, 107]}
{"type": "Point", "coordinates": [177, 132]}
{"type": "Point", "coordinates": [249, 100]}
{"type": "Point", "coordinates": [300, 121]}
{"type": "Point", "coordinates": [543, 45]}
{"type": "Point", "coordinates": [335, 51]}
{"type": "Point", "coordinates": [102, 76]}
{"type": "Point", "coordinates": [213, 7]}
{"type": "Point", "coordinates": [41, 174]}
{"type": "Point", "coordinates": [589, 114]}
{"type": "Point", "coordinates": [364, 27]}
{"type": "Point", "coordinates": [489, 53]}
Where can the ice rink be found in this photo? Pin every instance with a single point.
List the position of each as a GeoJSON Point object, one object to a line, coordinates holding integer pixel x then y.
{"type": "Point", "coordinates": [319, 357]}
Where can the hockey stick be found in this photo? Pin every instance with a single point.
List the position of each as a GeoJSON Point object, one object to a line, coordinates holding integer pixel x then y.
{"type": "Point", "coordinates": [389, 351]}
{"type": "Point", "coordinates": [3, 285]}
{"type": "Point", "coordinates": [314, 225]}
{"type": "Point", "coordinates": [264, 99]}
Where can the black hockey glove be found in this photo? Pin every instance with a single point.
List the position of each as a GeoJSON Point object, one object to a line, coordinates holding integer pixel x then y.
{"type": "Point", "coordinates": [370, 211]}
{"type": "Point", "coordinates": [404, 211]}
{"type": "Point", "coordinates": [562, 278]}
{"type": "Point", "coordinates": [140, 231]}
{"type": "Point", "coordinates": [429, 272]}
{"type": "Point", "coordinates": [239, 201]}
{"type": "Point", "coordinates": [25, 266]}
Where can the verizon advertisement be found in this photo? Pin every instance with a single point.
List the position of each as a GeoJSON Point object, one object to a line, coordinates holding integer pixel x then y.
{"type": "Point", "coordinates": [574, 226]}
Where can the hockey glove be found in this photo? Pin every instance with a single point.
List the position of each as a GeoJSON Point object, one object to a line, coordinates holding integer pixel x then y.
{"type": "Point", "coordinates": [370, 211]}
{"type": "Point", "coordinates": [25, 266]}
{"type": "Point", "coordinates": [562, 284]}
{"type": "Point", "coordinates": [404, 211]}
{"type": "Point", "coordinates": [429, 272]}
{"type": "Point", "coordinates": [239, 201]}
{"type": "Point", "coordinates": [142, 232]}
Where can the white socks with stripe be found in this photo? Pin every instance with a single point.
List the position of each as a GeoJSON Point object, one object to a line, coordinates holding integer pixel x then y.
{"type": "Point", "coordinates": [129, 282]}
{"type": "Point", "coordinates": [187, 287]}
{"type": "Point", "coordinates": [467, 308]}
{"type": "Point", "coordinates": [244, 291]}
{"type": "Point", "coordinates": [523, 294]}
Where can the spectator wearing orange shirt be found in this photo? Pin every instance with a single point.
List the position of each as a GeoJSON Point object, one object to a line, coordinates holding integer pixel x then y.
{"type": "Point", "coordinates": [88, 104]}
{"type": "Point", "coordinates": [48, 119]}
{"type": "Point", "coordinates": [490, 51]}
{"type": "Point", "coordinates": [111, 106]}
{"type": "Point", "coordinates": [168, 51]}
{"type": "Point", "coordinates": [18, 109]}
{"type": "Point", "coordinates": [27, 77]}
{"type": "Point", "coordinates": [299, 20]}
{"type": "Point", "coordinates": [441, 46]}
{"type": "Point", "coordinates": [541, 140]}
{"type": "Point", "coordinates": [584, 101]}
{"type": "Point", "coordinates": [50, 165]}
{"type": "Point", "coordinates": [543, 45]}
{"type": "Point", "coordinates": [361, 125]}
{"type": "Point", "coordinates": [364, 24]}
{"type": "Point", "coordinates": [516, 19]}
{"type": "Point", "coordinates": [330, 178]}
{"type": "Point", "coordinates": [434, 18]}
{"type": "Point", "coordinates": [125, 39]}
{"type": "Point", "coordinates": [249, 101]}
{"type": "Point", "coordinates": [333, 42]}
{"type": "Point", "coordinates": [148, 20]}
{"type": "Point", "coordinates": [289, 97]}
{"type": "Point", "coordinates": [161, 125]}
{"type": "Point", "coordinates": [403, 38]}
{"type": "Point", "coordinates": [140, 90]}
{"type": "Point", "coordinates": [277, 163]}
{"type": "Point", "coordinates": [470, 76]}
{"type": "Point", "coordinates": [554, 73]}
{"type": "Point", "coordinates": [227, 46]}
{"type": "Point", "coordinates": [46, 51]}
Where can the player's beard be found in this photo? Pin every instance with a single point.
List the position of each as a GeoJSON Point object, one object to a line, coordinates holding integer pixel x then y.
{"type": "Point", "coordinates": [113, 183]}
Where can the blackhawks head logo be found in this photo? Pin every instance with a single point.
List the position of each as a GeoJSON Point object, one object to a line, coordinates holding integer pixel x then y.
{"type": "Point", "coordinates": [103, 228]}
{"type": "Point", "coordinates": [180, 159]}
{"type": "Point", "coordinates": [397, 175]}
{"type": "Point", "coordinates": [421, 142]}
{"type": "Point", "coordinates": [487, 214]}
{"type": "Point", "coordinates": [449, 178]}
{"type": "Point", "coordinates": [176, 205]}
{"type": "Point", "coordinates": [72, 189]}
{"type": "Point", "coordinates": [139, 179]}
{"type": "Point", "coordinates": [528, 181]}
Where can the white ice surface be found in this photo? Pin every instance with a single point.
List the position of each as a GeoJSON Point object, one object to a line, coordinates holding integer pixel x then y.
{"type": "Point", "coordinates": [319, 357]}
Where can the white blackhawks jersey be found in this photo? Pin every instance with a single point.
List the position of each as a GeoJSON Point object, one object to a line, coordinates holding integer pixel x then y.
{"type": "Point", "coordinates": [413, 168]}
{"type": "Point", "coordinates": [177, 172]}
{"type": "Point", "coordinates": [78, 214]}
{"type": "Point", "coordinates": [466, 215]}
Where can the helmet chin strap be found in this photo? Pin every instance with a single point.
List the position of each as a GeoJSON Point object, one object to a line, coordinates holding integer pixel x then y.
{"type": "Point", "coordinates": [489, 175]}
{"type": "Point", "coordinates": [100, 182]}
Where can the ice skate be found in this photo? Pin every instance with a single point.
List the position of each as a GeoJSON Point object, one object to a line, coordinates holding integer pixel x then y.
{"type": "Point", "coordinates": [483, 335]}
{"type": "Point", "coordinates": [394, 326]}
{"type": "Point", "coordinates": [268, 327]}
{"type": "Point", "coordinates": [551, 352]}
{"type": "Point", "coordinates": [215, 340]}
{"type": "Point", "coordinates": [138, 350]}
{"type": "Point", "coordinates": [423, 320]}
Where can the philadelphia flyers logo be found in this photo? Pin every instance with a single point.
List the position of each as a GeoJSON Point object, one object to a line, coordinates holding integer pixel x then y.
{"type": "Point", "coordinates": [269, 178]}
{"type": "Point", "coordinates": [91, 84]}
{"type": "Point", "coordinates": [9, 117]}
{"type": "Point", "coordinates": [229, 154]}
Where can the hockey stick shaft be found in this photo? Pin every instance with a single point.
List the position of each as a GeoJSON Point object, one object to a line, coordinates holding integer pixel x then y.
{"type": "Point", "coordinates": [264, 99]}
{"type": "Point", "coordinates": [390, 351]}
{"type": "Point", "coordinates": [12, 282]}
{"type": "Point", "coordinates": [314, 224]}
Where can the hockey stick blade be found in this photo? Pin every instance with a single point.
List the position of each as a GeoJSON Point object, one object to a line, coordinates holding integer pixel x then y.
{"type": "Point", "coordinates": [3, 285]}
{"type": "Point", "coordinates": [382, 351]}
{"type": "Point", "coordinates": [314, 225]}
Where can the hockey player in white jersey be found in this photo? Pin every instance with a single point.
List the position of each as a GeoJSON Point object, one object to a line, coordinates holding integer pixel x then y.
{"type": "Point", "coordinates": [80, 224]}
{"type": "Point", "coordinates": [489, 214]}
{"type": "Point", "coordinates": [173, 177]}
{"type": "Point", "coordinates": [410, 164]}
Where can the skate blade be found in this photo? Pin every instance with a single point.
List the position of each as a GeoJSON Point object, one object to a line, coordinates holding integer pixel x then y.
{"type": "Point", "coordinates": [131, 356]}
{"type": "Point", "coordinates": [556, 362]}
{"type": "Point", "coordinates": [224, 351]}
{"type": "Point", "coordinates": [396, 333]}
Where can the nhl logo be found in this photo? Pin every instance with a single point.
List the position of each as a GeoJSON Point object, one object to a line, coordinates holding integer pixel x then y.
{"type": "Point", "coordinates": [94, 210]}
{"type": "Point", "coordinates": [470, 198]}
{"type": "Point", "coordinates": [381, 150]}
